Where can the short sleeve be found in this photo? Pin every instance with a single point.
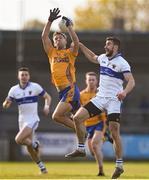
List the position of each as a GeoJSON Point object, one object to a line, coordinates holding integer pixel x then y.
{"type": "Point", "coordinates": [125, 67]}
{"type": "Point", "coordinates": [50, 52]}
{"type": "Point", "coordinates": [39, 90]}
{"type": "Point", "coordinates": [11, 95]}
{"type": "Point", "coordinates": [74, 54]}
{"type": "Point", "coordinates": [99, 58]}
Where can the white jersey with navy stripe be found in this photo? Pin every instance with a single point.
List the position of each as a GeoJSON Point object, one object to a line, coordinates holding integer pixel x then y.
{"type": "Point", "coordinates": [27, 100]}
{"type": "Point", "coordinates": [111, 75]}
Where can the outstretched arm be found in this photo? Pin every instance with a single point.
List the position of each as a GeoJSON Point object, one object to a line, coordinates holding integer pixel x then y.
{"type": "Point", "coordinates": [88, 53]}
{"type": "Point", "coordinates": [72, 34]}
{"type": "Point", "coordinates": [74, 39]}
{"type": "Point", "coordinates": [47, 44]}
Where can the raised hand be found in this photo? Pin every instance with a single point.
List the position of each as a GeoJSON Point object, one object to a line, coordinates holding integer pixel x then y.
{"type": "Point", "coordinates": [68, 21]}
{"type": "Point", "coordinates": [54, 14]}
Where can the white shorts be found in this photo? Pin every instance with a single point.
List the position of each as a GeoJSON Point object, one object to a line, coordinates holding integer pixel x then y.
{"type": "Point", "coordinates": [33, 125]}
{"type": "Point", "coordinates": [110, 104]}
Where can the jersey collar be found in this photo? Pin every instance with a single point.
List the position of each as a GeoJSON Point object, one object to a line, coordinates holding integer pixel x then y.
{"type": "Point", "coordinates": [116, 55]}
{"type": "Point", "coordinates": [24, 86]}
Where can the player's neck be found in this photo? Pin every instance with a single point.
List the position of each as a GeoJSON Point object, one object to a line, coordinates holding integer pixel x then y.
{"type": "Point", "coordinates": [23, 85]}
{"type": "Point", "coordinates": [114, 55]}
{"type": "Point", "coordinates": [90, 89]}
{"type": "Point", "coordinates": [60, 48]}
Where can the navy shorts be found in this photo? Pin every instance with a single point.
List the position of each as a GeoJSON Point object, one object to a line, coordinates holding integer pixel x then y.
{"type": "Point", "coordinates": [91, 129]}
{"type": "Point", "coordinates": [71, 94]}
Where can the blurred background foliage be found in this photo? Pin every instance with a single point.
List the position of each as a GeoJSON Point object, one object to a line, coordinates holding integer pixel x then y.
{"type": "Point", "coordinates": [127, 15]}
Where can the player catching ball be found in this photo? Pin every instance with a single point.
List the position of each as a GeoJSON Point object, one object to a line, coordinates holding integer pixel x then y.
{"type": "Point", "coordinates": [62, 65]}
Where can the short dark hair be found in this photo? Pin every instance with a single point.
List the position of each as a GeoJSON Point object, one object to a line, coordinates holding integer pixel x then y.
{"type": "Point", "coordinates": [91, 74]}
{"type": "Point", "coordinates": [60, 33]}
{"type": "Point", "coordinates": [23, 69]}
{"type": "Point", "coordinates": [115, 40]}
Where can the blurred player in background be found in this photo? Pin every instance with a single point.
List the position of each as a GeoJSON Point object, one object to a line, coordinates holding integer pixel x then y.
{"type": "Point", "coordinates": [114, 69]}
{"type": "Point", "coordinates": [62, 64]}
{"type": "Point", "coordinates": [95, 126]}
{"type": "Point", "coordinates": [26, 94]}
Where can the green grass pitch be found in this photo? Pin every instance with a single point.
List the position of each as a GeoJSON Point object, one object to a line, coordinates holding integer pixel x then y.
{"type": "Point", "coordinates": [71, 170]}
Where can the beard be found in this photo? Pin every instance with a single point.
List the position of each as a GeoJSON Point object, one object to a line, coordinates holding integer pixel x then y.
{"type": "Point", "coordinates": [109, 53]}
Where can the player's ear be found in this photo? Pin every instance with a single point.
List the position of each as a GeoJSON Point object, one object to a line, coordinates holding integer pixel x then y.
{"type": "Point", "coordinates": [116, 47]}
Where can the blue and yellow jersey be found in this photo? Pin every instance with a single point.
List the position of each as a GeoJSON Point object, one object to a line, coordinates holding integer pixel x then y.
{"type": "Point", "coordinates": [85, 97]}
{"type": "Point", "coordinates": [62, 66]}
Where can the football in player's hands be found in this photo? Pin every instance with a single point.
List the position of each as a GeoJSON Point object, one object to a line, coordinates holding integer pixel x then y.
{"type": "Point", "coordinates": [68, 21]}
{"type": "Point", "coordinates": [64, 23]}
